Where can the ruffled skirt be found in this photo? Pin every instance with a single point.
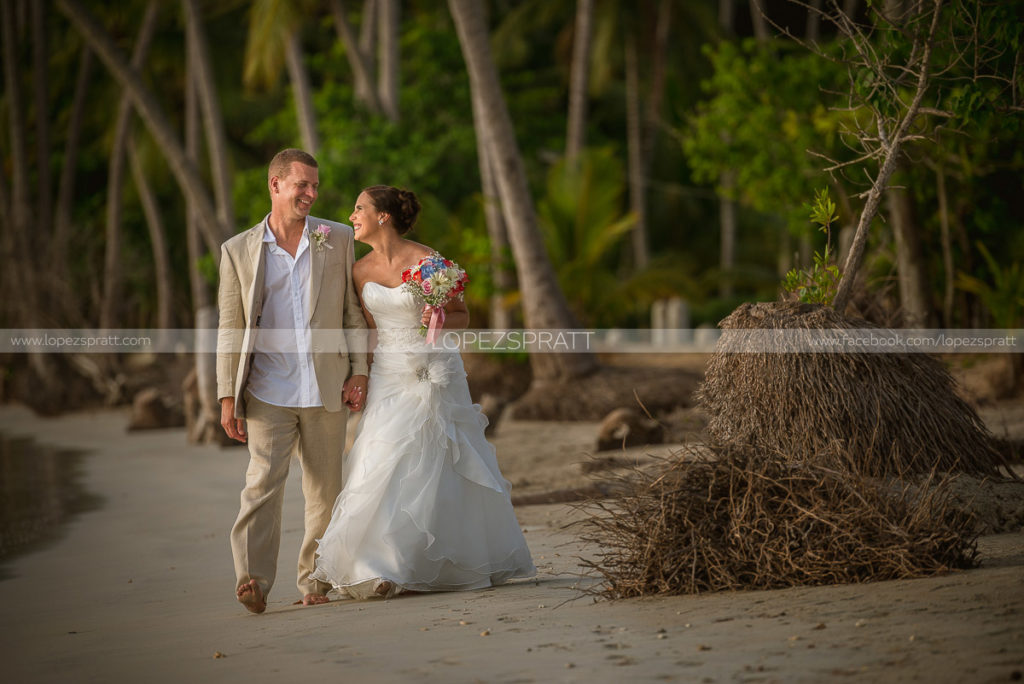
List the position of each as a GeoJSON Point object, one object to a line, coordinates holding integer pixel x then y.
{"type": "Point", "coordinates": [424, 504]}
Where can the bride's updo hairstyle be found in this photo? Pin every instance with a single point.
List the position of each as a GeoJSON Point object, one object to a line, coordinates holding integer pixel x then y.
{"type": "Point", "coordinates": [402, 205]}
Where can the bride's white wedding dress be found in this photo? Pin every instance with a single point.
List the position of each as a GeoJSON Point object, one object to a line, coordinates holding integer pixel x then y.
{"type": "Point", "coordinates": [424, 505]}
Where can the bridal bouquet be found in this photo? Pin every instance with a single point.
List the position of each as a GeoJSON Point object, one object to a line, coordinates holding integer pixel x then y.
{"type": "Point", "coordinates": [436, 281]}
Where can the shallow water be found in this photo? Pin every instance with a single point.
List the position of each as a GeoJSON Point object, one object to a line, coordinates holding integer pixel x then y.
{"type": "Point", "coordinates": [40, 491]}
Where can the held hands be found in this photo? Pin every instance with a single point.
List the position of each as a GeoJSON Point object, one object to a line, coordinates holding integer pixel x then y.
{"type": "Point", "coordinates": [234, 427]}
{"type": "Point", "coordinates": [353, 393]}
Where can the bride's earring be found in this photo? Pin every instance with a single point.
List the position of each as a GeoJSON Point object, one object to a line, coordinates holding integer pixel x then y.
{"type": "Point", "coordinates": [380, 222]}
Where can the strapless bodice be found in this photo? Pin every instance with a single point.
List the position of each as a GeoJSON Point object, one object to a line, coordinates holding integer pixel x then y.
{"type": "Point", "coordinates": [396, 312]}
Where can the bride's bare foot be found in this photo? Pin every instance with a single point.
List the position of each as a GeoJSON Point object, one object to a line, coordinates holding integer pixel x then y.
{"type": "Point", "coordinates": [251, 596]}
{"type": "Point", "coordinates": [315, 599]}
{"type": "Point", "coordinates": [383, 588]}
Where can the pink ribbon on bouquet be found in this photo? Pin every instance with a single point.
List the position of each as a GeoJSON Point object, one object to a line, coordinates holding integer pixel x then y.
{"type": "Point", "coordinates": [436, 323]}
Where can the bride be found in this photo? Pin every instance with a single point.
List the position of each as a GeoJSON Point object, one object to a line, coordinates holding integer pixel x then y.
{"type": "Point", "coordinates": [424, 506]}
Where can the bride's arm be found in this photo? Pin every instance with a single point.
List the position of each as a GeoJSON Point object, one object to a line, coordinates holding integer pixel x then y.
{"type": "Point", "coordinates": [371, 335]}
{"type": "Point", "coordinates": [371, 325]}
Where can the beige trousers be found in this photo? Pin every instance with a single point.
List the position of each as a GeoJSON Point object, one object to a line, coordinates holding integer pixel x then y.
{"type": "Point", "coordinates": [274, 434]}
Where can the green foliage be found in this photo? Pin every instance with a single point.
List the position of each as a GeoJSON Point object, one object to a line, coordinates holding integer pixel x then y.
{"type": "Point", "coordinates": [767, 107]}
{"type": "Point", "coordinates": [818, 284]}
{"type": "Point", "coordinates": [978, 88]}
{"type": "Point", "coordinates": [208, 269]}
{"type": "Point", "coordinates": [979, 150]}
{"type": "Point", "coordinates": [582, 219]}
{"type": "Point", "coordinates": [460, 234]}
{"type": "Point", "coordinates": [1004, 298]}
{"type": "Point", "coordinates": [270, 23]}
{"type": "Point", "coordinates": [584, 224]}
{"type": "Point", "coordinates": [430, 150]}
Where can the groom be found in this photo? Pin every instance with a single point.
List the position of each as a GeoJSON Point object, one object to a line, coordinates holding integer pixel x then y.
{"type": "Point", "coordinates": [284, 370]}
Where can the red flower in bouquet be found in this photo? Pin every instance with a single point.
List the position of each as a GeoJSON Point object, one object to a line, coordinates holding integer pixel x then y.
{"type": "Point", "coordinates": [435, 281]}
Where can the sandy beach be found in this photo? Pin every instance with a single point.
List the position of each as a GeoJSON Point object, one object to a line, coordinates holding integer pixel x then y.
{"type": "Point", "coordinates": [141, 589]}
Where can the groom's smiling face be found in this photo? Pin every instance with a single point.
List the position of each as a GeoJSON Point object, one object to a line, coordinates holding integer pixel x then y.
{"type": "Point", "coordinates": [296, 191]}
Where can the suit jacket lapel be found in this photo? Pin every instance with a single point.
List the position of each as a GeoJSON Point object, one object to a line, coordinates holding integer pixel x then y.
{"type": "Point", "coordinates": [259, 263]}
{"type": "Point", "coordinates": [316, 272]}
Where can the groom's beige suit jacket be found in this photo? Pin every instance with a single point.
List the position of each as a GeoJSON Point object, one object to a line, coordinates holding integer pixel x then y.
{"type": "Point", "coordinates": [336, 321]}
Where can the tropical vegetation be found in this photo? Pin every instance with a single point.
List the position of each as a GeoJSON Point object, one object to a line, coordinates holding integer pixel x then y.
{"type": "Point", "coordinates": [580, 158]}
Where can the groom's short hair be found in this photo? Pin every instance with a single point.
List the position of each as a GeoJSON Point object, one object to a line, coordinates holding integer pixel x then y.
{"type": "Point", "coordinates": [281, 164]}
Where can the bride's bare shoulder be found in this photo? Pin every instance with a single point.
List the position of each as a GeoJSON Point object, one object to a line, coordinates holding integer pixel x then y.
{"type": "Point", "coordinates": [362, 270]}
{"type": "Point", "coordinates": [418, 250]}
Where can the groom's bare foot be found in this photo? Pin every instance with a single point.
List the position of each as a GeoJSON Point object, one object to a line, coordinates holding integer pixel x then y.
{"type": "Point", "coordinates": [315, 599]}
{"type": "Point", "coordinates": [251, 596]}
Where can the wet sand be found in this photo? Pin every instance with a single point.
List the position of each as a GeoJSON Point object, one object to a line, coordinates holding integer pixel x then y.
{"type": "Point", "coordinates": [141, 589]}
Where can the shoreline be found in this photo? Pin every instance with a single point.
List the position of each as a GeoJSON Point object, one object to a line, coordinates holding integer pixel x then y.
{"type": "Point", "coordinates": [142, 588]}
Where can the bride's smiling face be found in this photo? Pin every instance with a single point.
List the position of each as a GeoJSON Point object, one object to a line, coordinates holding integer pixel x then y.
{"type": "Point", "coordinates": [365, 218]}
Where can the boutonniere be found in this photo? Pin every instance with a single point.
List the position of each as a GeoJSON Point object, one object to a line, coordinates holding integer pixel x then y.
{"type": "Point", "coordinates": [320, 237]}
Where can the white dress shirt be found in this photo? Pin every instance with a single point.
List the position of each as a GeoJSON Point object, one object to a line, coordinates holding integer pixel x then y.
{"type": "Point", "coordinates": [282, 366]}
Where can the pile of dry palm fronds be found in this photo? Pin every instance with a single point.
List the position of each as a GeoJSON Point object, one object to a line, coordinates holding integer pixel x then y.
{"type": "Point", "coordinates": [827, 467]}
{"type": "Point", "coordinates": [887, 413]}
{"type": "Point", "coordinates": [733, 518]}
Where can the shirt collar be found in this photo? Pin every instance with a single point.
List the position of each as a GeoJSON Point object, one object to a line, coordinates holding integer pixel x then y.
{"type": "Point", "coordinates": [268, 235]}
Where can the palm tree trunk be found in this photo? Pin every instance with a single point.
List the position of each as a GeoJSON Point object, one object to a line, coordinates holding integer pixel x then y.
{"type": "Point", "coordinates": [20, 208]}
{"type": "Point", "coordinates": [387, 75]}
{"type": "Point", "coordinates": [760, 24]}
{"type": "Point", "coordinates": [112, 272]}
{"type": "Point", "coordinates": [726, 16]}
{"type": "Point", "coordinates": [658, 71]}
{"type": "Point", "coordinates": [202, 412]}
{"type": "Point", "coordinates": [806, 250]}
{"type": "Point", "coordinates": [362, 68]}
{"type": "Point", "coordinates": [947, 247]}
{"type": "Point", "coordinates": [634, 132]}
{"type": "Point", "coordinates": [158, 240]}
{"type": "Point", "coordinates": [785, 255]}
{"type": "Point", "coordinates": [200, 292]}
{"type": "Point", "coordinates": [813, 30]}
{"type": "Point", "coordinates": [727, 232]}
{"type": "Point", "coordinates": [152, 114]}
{"type": "Point", "coordinates": [43, 218]}
{"type": "Point", "coordinates": [66, 184]}
{"type": "Point", "coordinates": [726, 182]}
{"type": "Point", "coordinates": [544, 305]}
{"type": "Point", "coordinates": [368, 33]}
{"type": "Point", "coordinates": [8, 255]}
{"type": "Point", "coordinates": [216, 139]}
{"type": "Point", "coordinates": [501, 315]}
{"type": "Point", "coordinates": [22, 270]}
{"type": "Point", "coordinates": [302, 92]}
{"type": "Point", "coordinates": [579, 78]}
{"type": "Point", "coordinates": [913, 283]}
